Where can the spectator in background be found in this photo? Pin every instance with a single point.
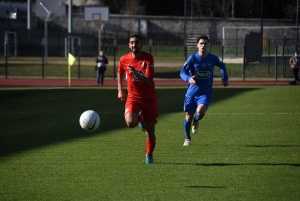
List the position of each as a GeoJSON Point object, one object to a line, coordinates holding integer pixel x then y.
{"type": "Point", "coordinates": [295, 65]}
{"type": "Point", "coordinates": [101, 67]}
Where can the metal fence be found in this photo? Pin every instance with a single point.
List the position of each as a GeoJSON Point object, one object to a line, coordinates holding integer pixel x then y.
{"type": "Point", "coordinates": [246, 58]}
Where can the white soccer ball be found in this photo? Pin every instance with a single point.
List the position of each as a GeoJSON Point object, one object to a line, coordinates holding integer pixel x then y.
{"type": "Point", "coordinates": [89, 120]}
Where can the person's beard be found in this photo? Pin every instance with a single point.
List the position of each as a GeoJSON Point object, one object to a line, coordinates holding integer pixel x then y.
{"type": "Point", "coordinates": [136, 50]}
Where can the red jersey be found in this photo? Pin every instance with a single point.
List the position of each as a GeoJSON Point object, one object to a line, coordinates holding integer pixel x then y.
{"type": "Point", "coordinates": [137, 90]}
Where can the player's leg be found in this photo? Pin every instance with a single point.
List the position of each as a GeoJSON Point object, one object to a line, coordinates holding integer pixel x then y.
{"type": "Point", "coordinates": [131, 113]}
{"type": "Point", "coordinates": [189, 108]}
{"type": "Point", "coordinates": [201, 109]}
{"type": "Point", "coordinates": [297, 75]}
{"type": "Point", "coordinates": [150, 113]}
{"type": "Point", "coordinates": [150, 140]}
{"type": "Point", "coordinates": [102, 76]}
{"type": "Point", "coordinates": [98, 76]}
{"type": "Point", "coordinates": [203, 103]}
{"type": "Point", "coordinates": [141, 121]}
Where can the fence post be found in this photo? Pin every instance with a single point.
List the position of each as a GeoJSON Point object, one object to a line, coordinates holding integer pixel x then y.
{"type": "Point", "coordinates": [6, 66]}
{"type": "Point", "coordinates": [185, 48]}
{"type": "Point", "coordinates": [150, 45]}
{"type": "Point", "coordinates": [222, 49]}
{"type": "Point", "coordinates": [5, 54]}
{"type": "Point", "coordinates": [269, 44]}
{"type": "Point", "coordinates": [275, 60]}
{"type": "Point", "coordinates": [114, 51]}
{"type": "Point", "coordinates": [244, 60]}
{"type": "Point", "coordinates": [79, 55]}
{"type": "Point", "coordinates": [283, 45]}
{"type": "Point", "coordinates": [43, 59]}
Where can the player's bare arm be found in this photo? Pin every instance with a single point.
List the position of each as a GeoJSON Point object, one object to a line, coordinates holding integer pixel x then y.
{"type": "Point", "coordinates": [140, 77]}
{"type": "Point", "coordinates": [121, 94]}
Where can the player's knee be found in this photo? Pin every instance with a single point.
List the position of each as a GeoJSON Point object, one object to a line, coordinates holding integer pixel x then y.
{"type": "Point", "coordinates": [131, 120]}
{"type": "Point", "coordinates": [189, 117]}
{"type": "Point", "coordinates": [201, 113]}
{"type": "Point", "coordinates": [131, 124]}
{"type": "Point", "coordinates": [201, 110]}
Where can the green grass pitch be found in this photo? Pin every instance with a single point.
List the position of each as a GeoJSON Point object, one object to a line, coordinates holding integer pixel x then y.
{"type": "Point", "coordinates": [248, 147]}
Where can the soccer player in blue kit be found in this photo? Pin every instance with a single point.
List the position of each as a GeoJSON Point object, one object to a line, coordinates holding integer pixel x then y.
{"type": "Point", "coordinates": [198, 71]}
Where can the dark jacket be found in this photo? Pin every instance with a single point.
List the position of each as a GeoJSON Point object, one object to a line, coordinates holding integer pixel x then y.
{"type": "Point", "coordinates": [101, 62]}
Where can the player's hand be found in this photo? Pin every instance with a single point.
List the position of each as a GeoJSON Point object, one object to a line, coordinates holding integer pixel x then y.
{"type": "Point", "coordinates": [224, 83]}
{"type": "Point", "coordinates": [121, 95]}
{"type": "Point", "coordinates": [192, 80]}
{"type": "Point", "coordinates": [131, 69]}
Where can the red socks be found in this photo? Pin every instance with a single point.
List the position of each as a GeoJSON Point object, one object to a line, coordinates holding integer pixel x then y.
{"type": "Point", "coordinates": [150, 144]}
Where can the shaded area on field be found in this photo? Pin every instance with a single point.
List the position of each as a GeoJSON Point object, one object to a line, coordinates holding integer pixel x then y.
{"type": "Point", "coordinates": [36, 118]}
{"type": "Point", "coordinates": [234, 164]}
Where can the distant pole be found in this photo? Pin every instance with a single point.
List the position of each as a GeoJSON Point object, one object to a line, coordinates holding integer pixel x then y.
{"type": "Point", "coordinates": [184, 25]}
{"type": "Point", "coordinates": [46, 31]}
{"type": "Point", "coordinates": [70, 43]}
{"type": "Point", "coordinates": [261, 24]}
{"type": "Point", "coordinates": [184, 30]}
{"type": "Point", "coordinates": [296, 49]}
{"type": "Point", "coordinates": [70, 16]}
{"type": "Point", "coordinates": [29, 10]}
{"type": "Point", "coordinates": [192, 14]}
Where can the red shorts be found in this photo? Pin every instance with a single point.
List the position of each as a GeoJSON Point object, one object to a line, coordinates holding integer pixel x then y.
{"type": "Point", "coordinates": [149, 109]}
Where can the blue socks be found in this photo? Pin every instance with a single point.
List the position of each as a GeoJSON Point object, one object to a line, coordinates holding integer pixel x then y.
{"type": "Point", "coordinates": [187, 126]}
{"type": "Point", "coordinates": [187, 129]}
{"type": "Point", "coordinates": [197, 117]}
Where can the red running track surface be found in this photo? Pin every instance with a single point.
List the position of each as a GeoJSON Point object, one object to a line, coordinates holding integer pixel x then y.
{"type": "Point", "coordinates": [113, 83]}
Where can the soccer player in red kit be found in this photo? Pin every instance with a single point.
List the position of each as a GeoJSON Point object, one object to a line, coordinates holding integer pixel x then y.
{"type": "Point", "coordinates": [139, 69]}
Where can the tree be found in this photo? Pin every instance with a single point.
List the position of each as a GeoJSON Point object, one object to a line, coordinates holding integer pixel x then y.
{"type": "Point", "coordinates": [216, 8]}
{"type": "Point", "coordinates": [133, 7]}
{"type": "Point", "coordinates": [130, 7]}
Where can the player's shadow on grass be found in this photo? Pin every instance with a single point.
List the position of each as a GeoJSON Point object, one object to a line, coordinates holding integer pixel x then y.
{"type": "Point", "coordinates": [234, 164]}
{"type": "Point", "coordinates": [248, 164]}
{"type": "Point", "coordinates": [212, 187]}
{"type": "Point", "coordinates": [273, 145]}
{"type": "Point", "coordinates": [36, 118]}
{"type": "Point", "coordinates": [171, 100]}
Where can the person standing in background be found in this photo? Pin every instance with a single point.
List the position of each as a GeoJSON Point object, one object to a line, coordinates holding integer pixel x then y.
{"type": "Point", "coordinates": [295, 65]}
{"type": "Point", "coordinates": [101, 63]}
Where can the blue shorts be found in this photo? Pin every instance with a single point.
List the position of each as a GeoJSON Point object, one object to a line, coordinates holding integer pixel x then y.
{"type": "Point", "coordinates": [191, 103]}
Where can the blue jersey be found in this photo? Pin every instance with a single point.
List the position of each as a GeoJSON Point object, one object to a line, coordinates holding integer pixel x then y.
{"type": "Point", "coordinates": [203, 70]}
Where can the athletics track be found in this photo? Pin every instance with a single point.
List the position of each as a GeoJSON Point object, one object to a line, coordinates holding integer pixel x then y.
{"type": "Point", "coordinates": [20, 82]}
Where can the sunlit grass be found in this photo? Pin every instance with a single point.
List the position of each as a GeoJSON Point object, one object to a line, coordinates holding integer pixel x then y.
{"type": "Point", "coordinates": [247, 147]}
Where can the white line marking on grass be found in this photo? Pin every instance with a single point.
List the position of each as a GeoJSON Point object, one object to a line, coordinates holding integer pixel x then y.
{"type": "Point", "coordinates": [258, 113]}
